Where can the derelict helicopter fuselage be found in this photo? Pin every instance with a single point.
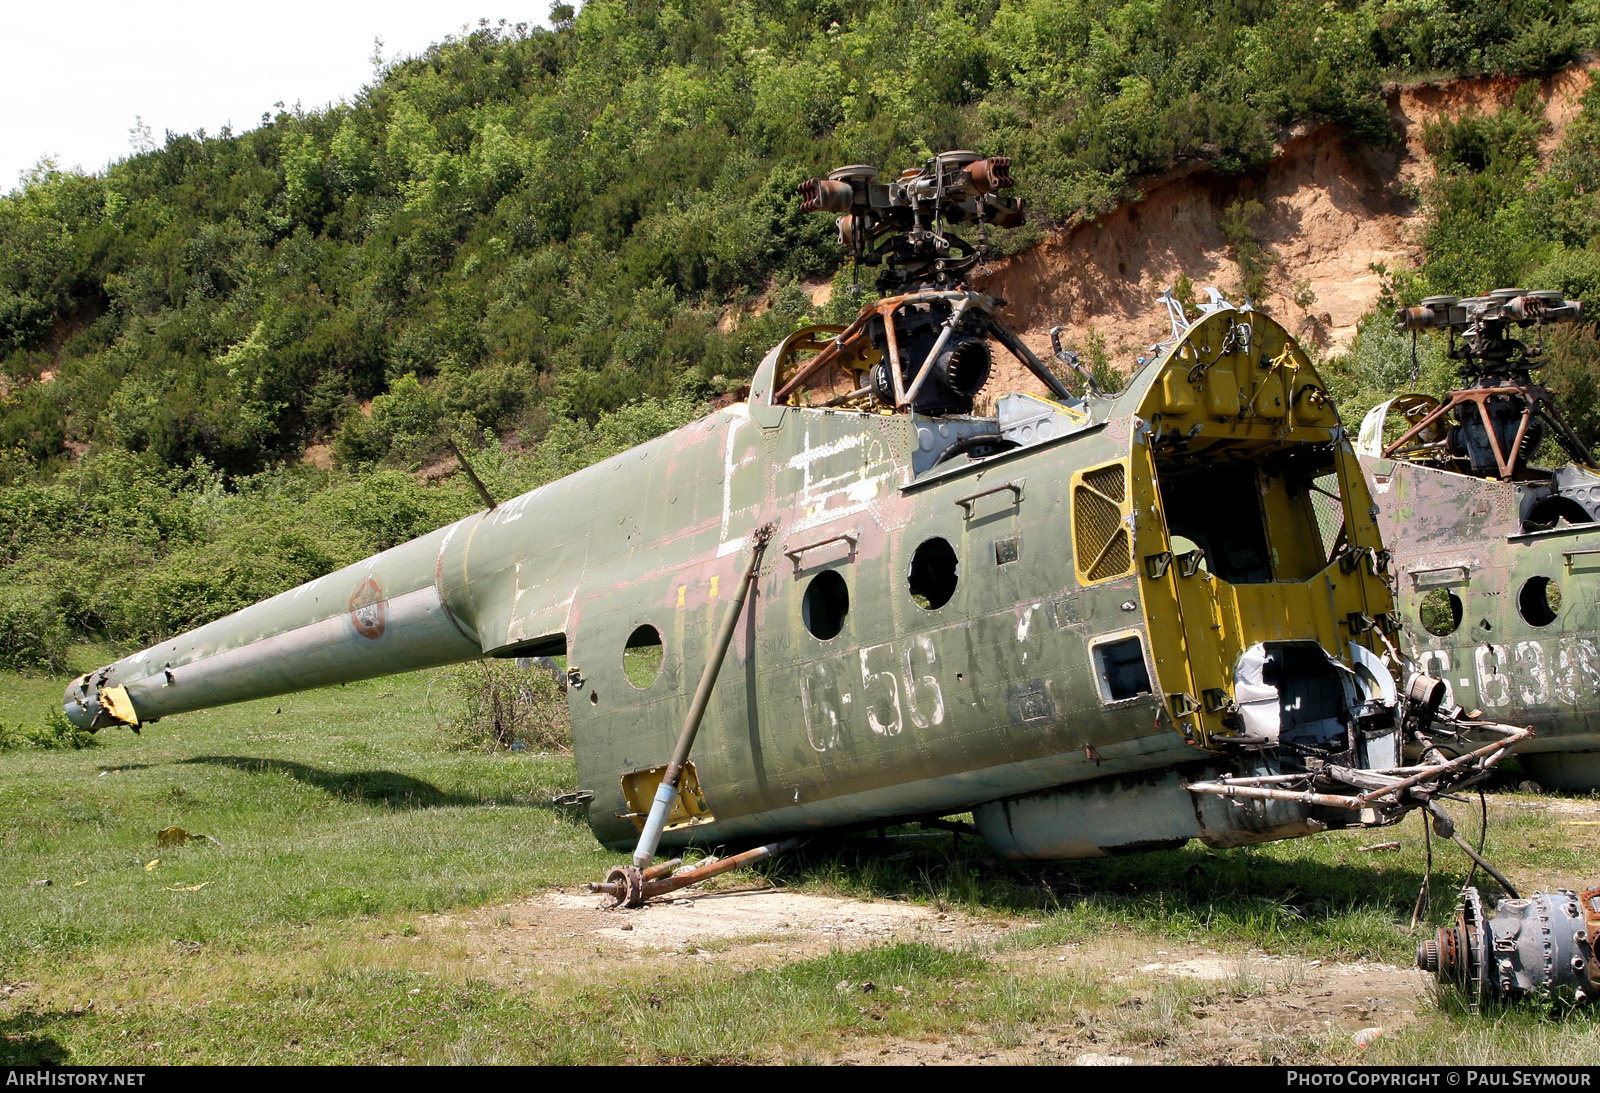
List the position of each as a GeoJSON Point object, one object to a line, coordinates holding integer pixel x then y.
{"type": "Point", "coordinates": [1497, 560]}
{"type": "Point", "coordinates": [1098, 623]}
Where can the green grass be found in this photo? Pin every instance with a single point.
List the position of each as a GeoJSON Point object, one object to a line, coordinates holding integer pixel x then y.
{"type": "Point", "coordinates": [345, 803]}
{"type": "Point", "coordinates": [344, 815]}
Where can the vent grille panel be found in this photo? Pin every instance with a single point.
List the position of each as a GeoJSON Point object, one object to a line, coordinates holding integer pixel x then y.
{"type": "Point", "coordinates": [1102, 541]}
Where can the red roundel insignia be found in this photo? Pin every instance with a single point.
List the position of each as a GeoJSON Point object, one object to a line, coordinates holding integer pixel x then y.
{"type": "Point", "coordinates": [368, 610]}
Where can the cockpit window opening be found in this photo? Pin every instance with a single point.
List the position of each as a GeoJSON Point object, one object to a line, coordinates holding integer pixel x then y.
{"type": "Point", "coordinates": [1255, 514]}
{"type": "Point", "coordinates": [1217, 506]}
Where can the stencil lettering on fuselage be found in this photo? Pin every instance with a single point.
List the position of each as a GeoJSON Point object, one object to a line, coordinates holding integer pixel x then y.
{"type": "Point", "coordinates": [924, 698]}
{"type": "Point", "coordinates": [1562, 671]}
{"type": "Point", "coordinates": [1535, 681]}
{"type": "Point", "coordinates": [826, 703]}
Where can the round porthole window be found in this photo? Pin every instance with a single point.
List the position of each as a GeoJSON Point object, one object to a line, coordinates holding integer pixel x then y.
{"type": "Point", "coordinates": [934, 575]}
{"type": "Point", "coordinates": [641, 657]}
{"type": "Point", "coordinates": [824, 605]}
{"type": "Point", "coordinates": [1440, 612]}
{"type": "Point", "coordinates": [1539, 601]}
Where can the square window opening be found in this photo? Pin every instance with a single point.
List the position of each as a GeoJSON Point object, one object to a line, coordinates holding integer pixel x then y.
{"type": "Point", "coordinates": [1120, 669]}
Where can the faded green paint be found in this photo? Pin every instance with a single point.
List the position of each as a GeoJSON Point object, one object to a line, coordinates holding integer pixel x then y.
{"type": "Point", "coordinates": [1464, 535]}
{"type": "Point", "coordinates": [905, 711]}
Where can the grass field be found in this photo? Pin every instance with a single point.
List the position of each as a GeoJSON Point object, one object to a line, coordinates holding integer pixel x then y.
{"type": "Point", "coordinates": [319, 927]}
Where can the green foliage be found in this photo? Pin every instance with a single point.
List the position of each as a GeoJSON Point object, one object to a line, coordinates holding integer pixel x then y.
{"type": "Point", "coordinates": [537, 234]}
{"type": "Point", "coordinates": [1496, 220]}
{"type": "Point", "coordinates": [55, 732]}
{"type": "Point", "coordinates": [1255, 261]}
{"type": "Point", "coordinates": [493, 705]}
{"type": "Point", "coordinates": [1096, 357]}
{"type": "Point", "coordinates": [520, 217]}
{"type": "Point", "coordinates": [1379, 366]}
{"type": "Point", "coordinates": [33, 635]}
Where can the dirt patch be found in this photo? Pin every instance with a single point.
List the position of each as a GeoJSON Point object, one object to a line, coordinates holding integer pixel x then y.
{"type": "Point", "coordinates": [742, 927]}
{"type": "Point", "coordinates": [1197, 1007]}
{"type": "Point", "coordinates": [318, 455]}
{"type": "Point", "coordinates": [1589, 808]}
{"type": "Point", "coordinates": [1184, 1005]}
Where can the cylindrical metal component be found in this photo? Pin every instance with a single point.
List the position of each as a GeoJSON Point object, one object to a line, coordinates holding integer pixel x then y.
{"type": "Point", "coordinates": [661, 806]}
{"type": "Point", "coordinates": [1414, 318]}
{"type": "Point", "coordinates": [629, 886]}
{"type": "Point", "coordinates": [1261, 793]}
{"type": "Point", "coordinates": [717, 868]}
{"type": "Point", "coordinates": [989, 175]}
{"type": "Point", "coordinates": [825, 195]}
{"type": "Point", "coordinates": [1428, 955]}
{"type": "Point", "coordinates": [395, 612]}
{"type": "Point", "coordinates": [964, 366]}
{"type": "Point", "coordinates": [1541, 946]}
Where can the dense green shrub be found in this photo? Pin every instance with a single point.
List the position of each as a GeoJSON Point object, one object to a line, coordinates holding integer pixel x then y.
{"type": "Point", "coordinates": [493, 705]}
{"type": "Point", "coordinates": [53, 732]}
{"type": "Point", "coordinates": [521, 216]}
{"type": "Point", "coordinates": [1496, 220]}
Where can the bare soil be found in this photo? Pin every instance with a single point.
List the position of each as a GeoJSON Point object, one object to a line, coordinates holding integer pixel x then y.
{"type": "Point", "coordinates": [1333, 211]}
{"type": "Point", "coordinates": [740, 927]}
{"type": "Point", "coordinates": [1246, 1001]}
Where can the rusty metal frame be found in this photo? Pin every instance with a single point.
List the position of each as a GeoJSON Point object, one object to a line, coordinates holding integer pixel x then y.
{"type": "Point", "coordinates": [1259, 789]}
{"type": "Point", "coordinates": [961, 299]}
{"type": "Point", "coordinates": [1536, 401]}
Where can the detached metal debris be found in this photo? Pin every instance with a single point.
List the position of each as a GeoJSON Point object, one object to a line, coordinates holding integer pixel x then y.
{"type": "Point", "coordinates": [1544, 946]}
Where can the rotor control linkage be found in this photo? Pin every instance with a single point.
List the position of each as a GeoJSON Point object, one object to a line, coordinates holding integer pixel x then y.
{"type": "Point", "coordinates": [1444, 825]}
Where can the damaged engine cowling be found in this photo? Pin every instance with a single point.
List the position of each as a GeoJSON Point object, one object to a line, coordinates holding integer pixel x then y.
{"type": "Point", "coordinates": [1544, 947]}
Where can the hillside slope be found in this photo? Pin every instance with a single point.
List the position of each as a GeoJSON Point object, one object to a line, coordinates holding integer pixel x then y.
{"type": "Point", "coordinates": [1332, 209]}
{"type": "Point", "coordinates": [562, 236]}
{"type": "Point", "coordinates": [523, 225]}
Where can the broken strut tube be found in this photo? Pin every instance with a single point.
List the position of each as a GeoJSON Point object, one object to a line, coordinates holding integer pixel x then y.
{"type": "Point", "coordinates": [629, 886]}
{"type": "Point", "coordinates": [632, 885]}
{"type": "Point", "coordinates": [1396, 789]}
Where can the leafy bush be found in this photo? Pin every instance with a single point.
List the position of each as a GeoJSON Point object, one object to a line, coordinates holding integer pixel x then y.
{"type": "Point", "coordinates": [33, 636]}
{"type": "Point", "coordinates": [55, 732]}
{"type": "Point", "coordinates": [522, 216]}
{"type": "Point", "coordinates": [1237, 224]}
{"type": "Point", "coordinates": [493, 705]}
